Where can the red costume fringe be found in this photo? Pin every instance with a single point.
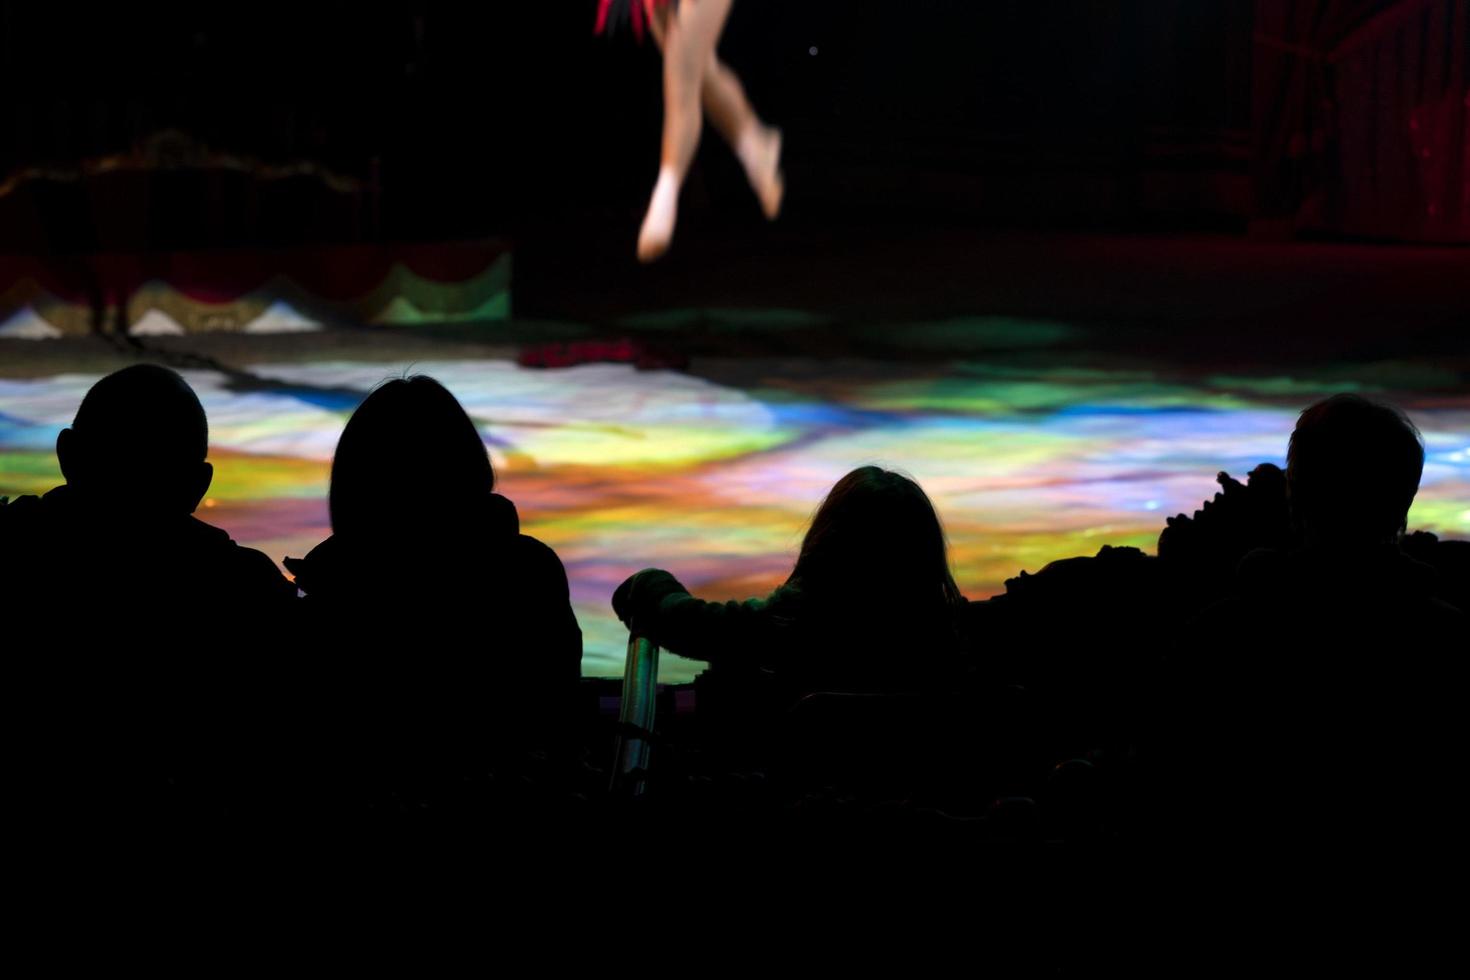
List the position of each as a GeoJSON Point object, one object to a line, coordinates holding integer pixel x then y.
{"type": "Point", "coordinates": [612, 13]}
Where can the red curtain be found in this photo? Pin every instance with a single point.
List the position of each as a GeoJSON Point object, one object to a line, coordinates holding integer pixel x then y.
{"type": "Point", "coordinates": [1360, 117]}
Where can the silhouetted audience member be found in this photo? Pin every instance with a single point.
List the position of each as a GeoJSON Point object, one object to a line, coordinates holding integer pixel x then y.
{"type": "Point", "coordinates": [138, 673]}
{"type": "Point", "coordinates": [119, 537]}
{"type": "Point", "coordinates": [1084, 637]}
{"type": "Point", "coordinates": [436, 653]}
{"type": "Point", "coordinates": [1353, 469]}
{"type": "Point", "coordinates": [870, 606]}
{"type": "Point", "coordinates": [444, 632]}
{"type": "Point", "coordinates": [1332, 680]}
{"type": "Point", "coordinates": [1201, 551]}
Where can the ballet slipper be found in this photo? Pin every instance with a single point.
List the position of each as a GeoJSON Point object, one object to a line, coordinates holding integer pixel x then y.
{"type": "Point", "coordinates": [658, 224]}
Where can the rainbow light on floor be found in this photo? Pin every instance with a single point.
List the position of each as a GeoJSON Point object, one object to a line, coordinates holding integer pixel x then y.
{"type": "Point", "coordinates": [619, 469]}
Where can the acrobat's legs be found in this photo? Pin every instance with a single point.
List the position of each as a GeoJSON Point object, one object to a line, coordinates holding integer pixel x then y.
{"type": "Point", "coordinates": [694, 77]}
{"type": "Point", "coordinates": [687, 34]}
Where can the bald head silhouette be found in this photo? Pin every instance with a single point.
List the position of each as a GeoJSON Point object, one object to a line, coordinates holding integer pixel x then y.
{"type": "Point", "coordinates": [138, 444]}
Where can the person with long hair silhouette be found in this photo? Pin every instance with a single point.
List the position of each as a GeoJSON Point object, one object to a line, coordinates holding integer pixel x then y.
{"type": "Point", "coordinates": [870, 605]}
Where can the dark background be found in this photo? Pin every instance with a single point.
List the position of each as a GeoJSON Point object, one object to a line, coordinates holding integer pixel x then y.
{"type": "Point", "coordinates": [277, 123]}
{"type": "Point", "coordinates": [468, 119]}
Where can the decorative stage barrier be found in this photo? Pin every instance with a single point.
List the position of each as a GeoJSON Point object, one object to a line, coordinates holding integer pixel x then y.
{"type": "Point", "coordinates": [255, 291]}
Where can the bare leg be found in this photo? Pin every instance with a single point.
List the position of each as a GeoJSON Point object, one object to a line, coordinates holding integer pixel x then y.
{"type": "Point", "coordinates": [722, 95]}
{"type": "Point", "coordinates": [688, 35]}
{"type": "Point", "coordinates": [757, 145]}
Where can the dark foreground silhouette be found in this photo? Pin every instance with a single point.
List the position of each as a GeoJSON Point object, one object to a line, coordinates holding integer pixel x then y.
{"type": "Point", "coordinates": [142, 638]}
{"type": "Point", "coordinates": [1287, 668]}
{"type": "Point", "coordinates": [442, 638]}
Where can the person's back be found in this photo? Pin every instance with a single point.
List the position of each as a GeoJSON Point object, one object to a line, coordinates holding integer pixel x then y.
{"type": "Point", "coordinates": [464, 623]}
{"type": "Point", "coordinates": [139, 624]}
{"type": "Point", "coordinates": [439, 631]}
{"type": "Point", "coordinates": [1084, 638]}
{"type": "Point", "coordinates": [1332, 676]}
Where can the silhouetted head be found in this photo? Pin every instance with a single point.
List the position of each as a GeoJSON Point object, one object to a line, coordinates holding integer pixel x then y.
{"type": "Point", "coordinates": [1352, 472]}
{"type": "Point", "coordinates": [409, 461]}
{"type": "Point", "coordinates": [138, 443]}
{"type": "Point", "coordinates": [876, 538]}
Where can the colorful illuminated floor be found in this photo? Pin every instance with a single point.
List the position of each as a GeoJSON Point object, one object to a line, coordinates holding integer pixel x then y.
{"type": "Point", "coordinates": [713, 473]}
